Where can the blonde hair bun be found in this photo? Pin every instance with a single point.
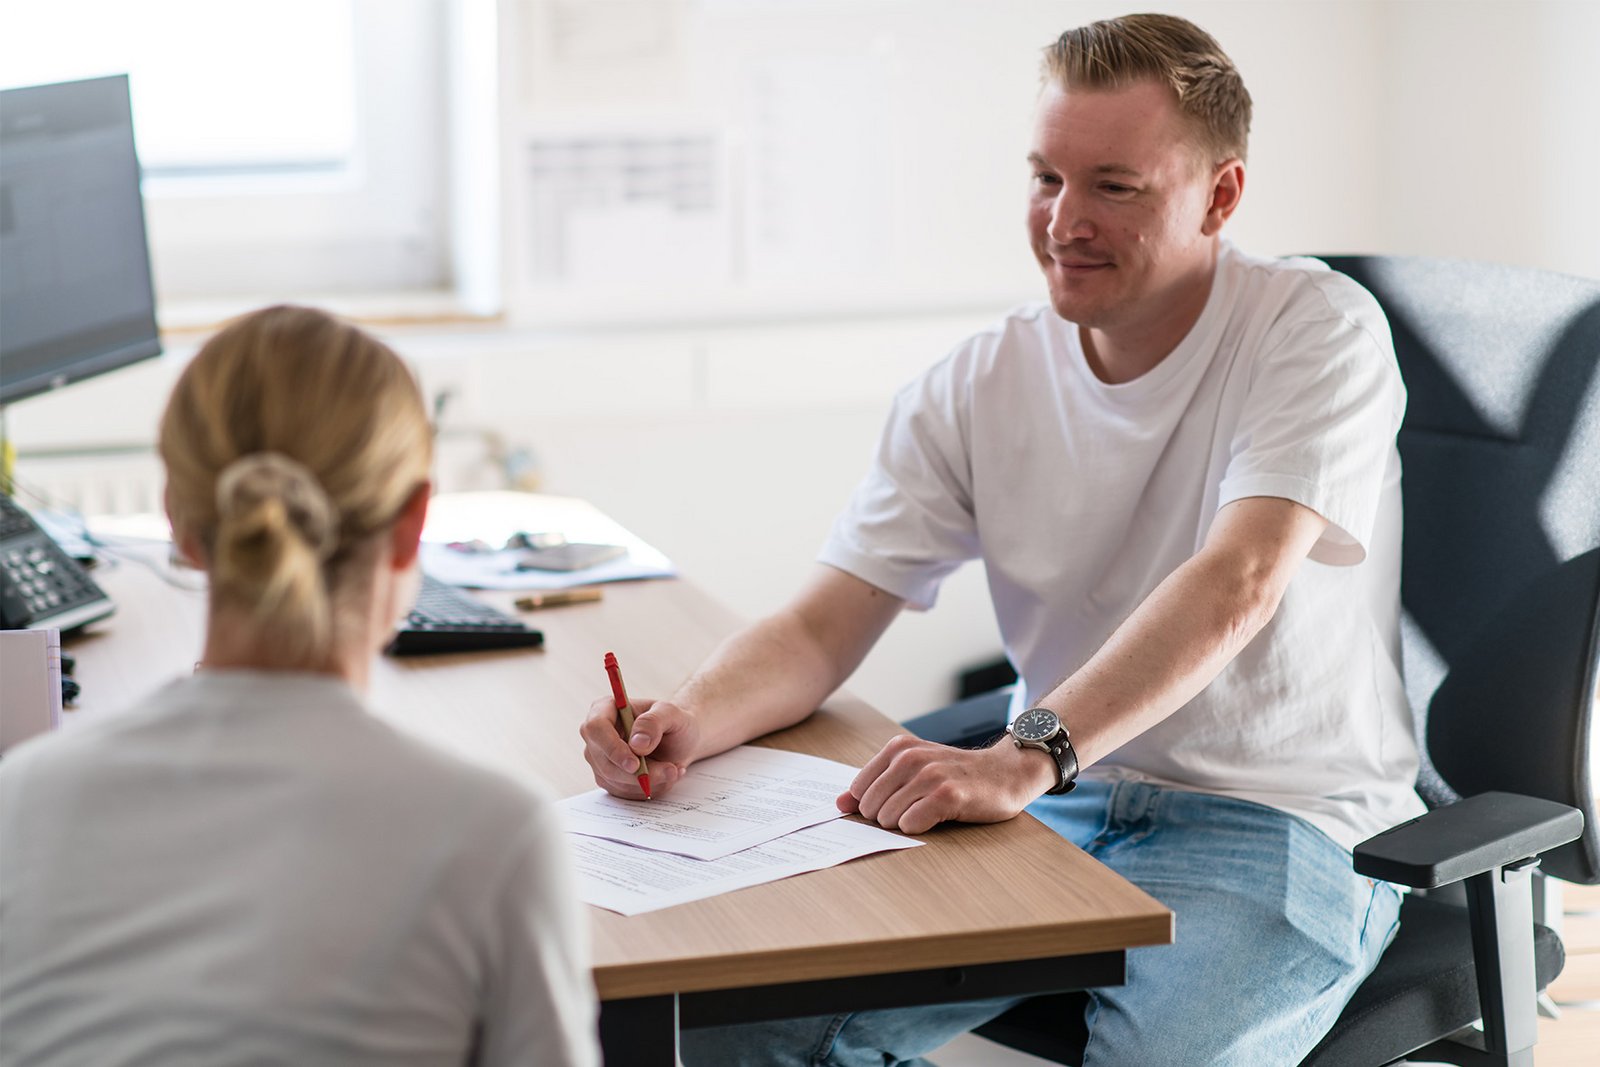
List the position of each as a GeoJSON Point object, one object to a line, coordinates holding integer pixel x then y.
{"type": "Point", "coordinates": [292, 442]}
{"type": "Point", "coordinates": [262, 477]}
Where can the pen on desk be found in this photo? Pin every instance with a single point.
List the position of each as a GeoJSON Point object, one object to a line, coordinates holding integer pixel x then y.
{"type": "Point", "coordinates": [536, 601]}
{"type": "Point", "coordinates": [619, 696]}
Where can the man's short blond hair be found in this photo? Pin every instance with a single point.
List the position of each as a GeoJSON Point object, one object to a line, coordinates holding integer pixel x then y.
{"type": "Point", "coordinates": [1116, 53]}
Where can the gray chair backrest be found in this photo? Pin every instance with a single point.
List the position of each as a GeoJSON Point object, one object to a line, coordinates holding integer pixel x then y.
{"type": "Point", "coordinates": [1501, 559]}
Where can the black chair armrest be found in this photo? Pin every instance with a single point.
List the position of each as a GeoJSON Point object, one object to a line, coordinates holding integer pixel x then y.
{"type": "Point", "coordinates": [1469, 837]}
{"type": "Point", "coordinates": [969, 723]}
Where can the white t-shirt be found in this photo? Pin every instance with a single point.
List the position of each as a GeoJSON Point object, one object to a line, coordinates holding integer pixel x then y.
{"type": "Point", "coordinates": [250, 868]}
{"type": "Point", "coordinates": [1081, 497]}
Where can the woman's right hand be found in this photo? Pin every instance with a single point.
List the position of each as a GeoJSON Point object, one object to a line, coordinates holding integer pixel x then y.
{"type": "Point", "coordinates": [662, 730]}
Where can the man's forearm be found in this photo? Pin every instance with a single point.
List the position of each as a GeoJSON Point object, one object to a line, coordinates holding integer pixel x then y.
{"type": "Point", "coordinates": [1167, 651]}
{"type": "Point", "coordinates": [765, 677]}
{"type": "Point", "coordinates": [1186, 631]}
{"type": "Point", "coordinates": [776, 672]}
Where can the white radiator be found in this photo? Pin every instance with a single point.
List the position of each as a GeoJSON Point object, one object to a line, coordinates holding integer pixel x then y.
{"type": "Point", "coordinates": [124, 482]}
{"type": "Point", "coordinates": [129, 480]}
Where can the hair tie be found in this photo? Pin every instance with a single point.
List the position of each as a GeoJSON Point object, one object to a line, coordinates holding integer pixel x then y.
{"type": "Point", "coordinates": [258, 476]}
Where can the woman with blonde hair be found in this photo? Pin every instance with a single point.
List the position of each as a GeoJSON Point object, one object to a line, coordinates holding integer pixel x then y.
{"type": "Point", "coordinates": [248, 866]}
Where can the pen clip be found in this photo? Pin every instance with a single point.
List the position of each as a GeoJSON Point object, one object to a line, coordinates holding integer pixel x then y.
{"type": "Point", "coordinates": [619, 694]}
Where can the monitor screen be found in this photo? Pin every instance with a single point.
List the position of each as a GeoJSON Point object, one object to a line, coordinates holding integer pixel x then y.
{"type": "Point", "coordinates": [75, 292]}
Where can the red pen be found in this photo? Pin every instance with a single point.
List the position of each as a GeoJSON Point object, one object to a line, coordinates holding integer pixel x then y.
{"type": "Point", "coordinates": [619, 695]}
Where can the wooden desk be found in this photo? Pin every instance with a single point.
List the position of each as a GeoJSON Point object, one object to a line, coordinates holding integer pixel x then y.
{"type": "Point", "coordinates": [980, 911]}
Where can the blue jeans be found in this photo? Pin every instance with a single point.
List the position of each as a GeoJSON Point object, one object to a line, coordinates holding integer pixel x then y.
{"type": "Point", "coordinates": [1274, 932]}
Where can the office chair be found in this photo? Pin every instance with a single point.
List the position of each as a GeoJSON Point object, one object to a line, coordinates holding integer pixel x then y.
{"type": "Point", "coordinates": [1500, 588]}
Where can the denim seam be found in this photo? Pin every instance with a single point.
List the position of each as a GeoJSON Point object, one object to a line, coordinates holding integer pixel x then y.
{"type": "Point", "coordinates": [1105, 819]}
{"type": "Point", "coordinates": [1366, 920]}
{"type": "Point", "coordinates": [822, 1055]}
{"type": "Point", "coordinates": [1113, 802]}
{"type": "Point", "coordinates": [1129, 841]}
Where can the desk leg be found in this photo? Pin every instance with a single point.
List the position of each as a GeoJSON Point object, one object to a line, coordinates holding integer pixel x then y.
{"type": "Point", "coordinates": [642, 1031]}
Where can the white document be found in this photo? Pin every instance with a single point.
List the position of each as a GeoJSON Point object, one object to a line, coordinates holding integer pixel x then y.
{"type": "Point", "coordinates": [727, 803]}
{"type": "Point", "coordinates": [494, 517]}
{"type": "Point", "coordinates": [631, 881]}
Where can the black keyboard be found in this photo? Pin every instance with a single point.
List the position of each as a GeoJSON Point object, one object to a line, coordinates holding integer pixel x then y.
{"type": "Point", "coordinates": [446, 619]}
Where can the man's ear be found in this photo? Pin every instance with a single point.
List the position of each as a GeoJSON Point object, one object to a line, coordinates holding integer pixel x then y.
{"type": "Point", "coordinates": [1227, 189]}
{"type": "Point", "coordinates": [406, 535]}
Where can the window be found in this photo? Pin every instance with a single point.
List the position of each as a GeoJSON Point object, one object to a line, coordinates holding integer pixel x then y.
{"type": "Point", "coordinates": [289, 147]}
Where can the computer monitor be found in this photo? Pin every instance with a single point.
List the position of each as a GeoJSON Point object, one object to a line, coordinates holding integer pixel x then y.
{"type": "Point", "coordinates": [75, 293]}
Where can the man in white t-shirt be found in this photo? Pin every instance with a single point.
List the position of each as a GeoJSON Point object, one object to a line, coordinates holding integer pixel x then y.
{"type": "Point", "coordinates": [1181, 476]}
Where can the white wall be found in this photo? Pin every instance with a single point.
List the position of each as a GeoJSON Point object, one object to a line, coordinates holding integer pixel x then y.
{"type": "Point", "coordinates": [731, 450]}
{"type": "Point", "coordinates": [1466, 129]}
{"type": "Point", "coordinates": [1491, 132]}
{"type": "Point", "coordinates": [893, 133]}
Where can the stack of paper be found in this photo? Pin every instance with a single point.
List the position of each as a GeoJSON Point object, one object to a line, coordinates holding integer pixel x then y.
{"type": "Point", "coordinates": [748, 816]}
{"type": "Point", "coordinates": [492, 518]}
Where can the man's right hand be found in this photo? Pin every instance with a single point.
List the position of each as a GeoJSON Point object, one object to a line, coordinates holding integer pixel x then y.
{"type": "Point", "coordinates": [662, 731]}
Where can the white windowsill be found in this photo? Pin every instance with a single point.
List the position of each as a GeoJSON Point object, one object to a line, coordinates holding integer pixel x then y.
{"type": "Point", "coordinates": [182, 318]}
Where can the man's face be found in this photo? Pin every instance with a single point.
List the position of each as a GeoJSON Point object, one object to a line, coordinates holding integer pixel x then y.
{"type": "Point", "coordinates": [1119, 205]}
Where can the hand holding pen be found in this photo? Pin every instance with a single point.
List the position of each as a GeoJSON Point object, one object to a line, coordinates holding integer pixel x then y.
{"type": "Point", "coordinates": [614, 745]}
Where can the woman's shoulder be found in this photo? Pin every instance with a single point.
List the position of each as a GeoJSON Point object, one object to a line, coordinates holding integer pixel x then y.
{"type": "Point", "coordinates": [76, 741]}
{"type": "Point", "coordinates": [422, 761]}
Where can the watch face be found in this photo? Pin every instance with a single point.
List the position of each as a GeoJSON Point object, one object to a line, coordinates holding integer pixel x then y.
{"type": "Point", "coordinates": [1035, 724]}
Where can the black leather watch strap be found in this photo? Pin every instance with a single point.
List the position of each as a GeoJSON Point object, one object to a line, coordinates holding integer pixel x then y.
{"type": "Point", "coordinates": [1066, 758]}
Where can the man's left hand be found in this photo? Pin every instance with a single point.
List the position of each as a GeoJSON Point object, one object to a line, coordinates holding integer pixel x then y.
{"type": "Point", "coordinates": [913, 785]}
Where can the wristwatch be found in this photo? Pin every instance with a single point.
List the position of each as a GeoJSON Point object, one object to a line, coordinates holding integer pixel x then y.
{"type": "Point", "coordinates": [1042, 728]}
